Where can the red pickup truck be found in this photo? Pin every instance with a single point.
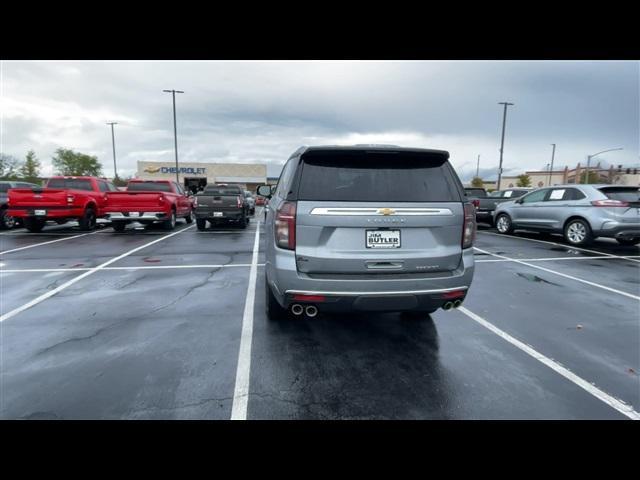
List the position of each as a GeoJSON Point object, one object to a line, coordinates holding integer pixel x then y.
{"type": "Point", "coordinates": [63, 198]}
{"type": "Point", "coordinates": [148, 201]}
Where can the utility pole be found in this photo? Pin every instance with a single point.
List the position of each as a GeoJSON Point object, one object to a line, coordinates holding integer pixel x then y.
{"type": "Point", "coordinates": [175, 130]}
{"type": "Point", "coordinates": [478, 167]}
{"type": "Point", "coordinates": [113, 144]}
{"type": "Point", "coordinates": [504, 123]}
{"type": "Point", "coordinates": [589, 157]}
{"type": "Point", "coordinates": [553, 154]}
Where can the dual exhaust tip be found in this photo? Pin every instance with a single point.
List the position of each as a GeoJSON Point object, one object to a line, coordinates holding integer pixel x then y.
{"type": "Point", "coordinates": [450, 305]}
{"type": "Point", "coordinates": [310, 310]}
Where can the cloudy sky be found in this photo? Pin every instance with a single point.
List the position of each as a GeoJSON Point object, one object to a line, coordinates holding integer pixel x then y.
{"type": "Point", "coordinates": [262, 111]}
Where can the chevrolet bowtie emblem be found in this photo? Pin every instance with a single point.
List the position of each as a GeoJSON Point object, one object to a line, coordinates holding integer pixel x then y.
{"type": "Point", "coordinates": [386, 211]}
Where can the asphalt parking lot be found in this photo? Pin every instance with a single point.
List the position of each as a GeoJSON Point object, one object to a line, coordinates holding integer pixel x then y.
{"type": "Point", "coordinates": [147, 324]}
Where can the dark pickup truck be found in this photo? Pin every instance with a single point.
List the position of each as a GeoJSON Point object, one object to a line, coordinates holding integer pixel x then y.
{"type": "Point", "coordinates": [221, 204]}
{"type": "Point", "coordinates": [485, 207]}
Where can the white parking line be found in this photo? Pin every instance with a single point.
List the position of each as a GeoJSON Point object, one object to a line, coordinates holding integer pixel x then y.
{"type": "Point", "coordinates": [45, 243]}
{"type": "Point", "coordinates": [635, 297]}
{"type": "Point", "coordinates": [146, 267]}
{"type": "Point", "coordinates": [74, 280]}
{"type": "Point", "coordinates": [619, 405]}
{"type": "Point", "coordinates": [243, 372]}
{"type": "Point", "coordinates": [558, 244]}
{"type": "Point", "coordinates": [550, 259]}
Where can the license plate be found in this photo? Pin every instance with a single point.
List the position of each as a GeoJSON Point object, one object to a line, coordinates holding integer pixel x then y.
{"type": "Point", "coordinates": [40, 212]}
{"type": "Point", "coordinates": [383, 239]}
{"type": "Point", "coordinates": [134, 214]}
{"type": "Point", "coordinates": [217, 214]}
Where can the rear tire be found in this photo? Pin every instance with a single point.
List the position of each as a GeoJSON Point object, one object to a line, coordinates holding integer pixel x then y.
{"type": "Point", "coordinates": [7, 222]}
{"type": "Point", "coordinates": [119, 226]}
{"type": "Point", "coordinates": [244, 221]}
{"type": "Point", "coordinates": [88, 220]}
{"type": "Point", "coordinates": [628, 242]}
{"type": "Point", "coordinates": [272, 307]}
{"type": "Point", "coordinates": [577, 232]}
{"type": "Point", "coordinates": [171, 223]}
{"type": "Point", "coordinates": [34, 225]}
{"type": "Point", "coordinates": [189, 218]}
{"type": "Point", "coordinates": [504, 224]}
{"type": "Point", "coordinates": [201, 223]}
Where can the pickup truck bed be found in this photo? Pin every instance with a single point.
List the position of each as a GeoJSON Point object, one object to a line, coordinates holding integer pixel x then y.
{"type": "Point", "coordinates": [72, 198]}
{"type": "Point", "coordinates": [148, 202]}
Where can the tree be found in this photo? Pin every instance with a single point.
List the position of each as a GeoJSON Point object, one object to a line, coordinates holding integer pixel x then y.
{"type": "Point", "coordinates": [30, 169]}
{"type": "Point", "coordinates": [594, 177]}
{"type": "Point", "coordinates": [524, 180]}
{"type": "Point", "coordinates": [68, 162]}
{"type": "Point", "coordinates": [477, 182]}
{"type": "Point", "coordinates": [121, 182]}
{"type": "Point", "coordinates": [9, 166]}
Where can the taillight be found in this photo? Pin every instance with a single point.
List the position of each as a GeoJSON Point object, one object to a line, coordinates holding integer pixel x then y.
{"type": "Point", "coordinates": [476, 202]}
{"type": "Point", "coordinates": [469, 225]}
{"type": "Point", "coordinates": [70, 199]}
{"type": "Point", "coordinates": [286, 226]}
{"type": "Point", "coordinates": [609, 203]}
{"type": "Point", "coordinates": [239, 202]}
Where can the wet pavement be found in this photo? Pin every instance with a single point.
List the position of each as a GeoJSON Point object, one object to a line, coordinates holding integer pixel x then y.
{"type": "Point", "coordinates": [156, 334]}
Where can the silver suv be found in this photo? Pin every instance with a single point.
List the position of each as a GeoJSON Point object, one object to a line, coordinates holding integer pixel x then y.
{"type": "Point", "coordinates": [580, 212]}
{"type": "Point", "coordinates": [367, 228]}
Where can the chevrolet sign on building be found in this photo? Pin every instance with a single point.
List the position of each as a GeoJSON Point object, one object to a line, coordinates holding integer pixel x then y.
{"type": "Point", "coordinates": [250, 175]}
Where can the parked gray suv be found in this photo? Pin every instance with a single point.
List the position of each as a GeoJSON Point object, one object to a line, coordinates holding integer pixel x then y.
{"type": "Point", "coordinates": [580, 212]}
{"type": "Point", "coordinates": [367, 228]}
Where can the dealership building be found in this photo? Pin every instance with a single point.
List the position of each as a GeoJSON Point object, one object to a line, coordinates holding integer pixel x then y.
{"type": "Point", "coordinates": [192, 174]}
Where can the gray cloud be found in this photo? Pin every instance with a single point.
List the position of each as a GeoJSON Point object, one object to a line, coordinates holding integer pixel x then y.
{"type": "Point", "coordinates": [262, 111]}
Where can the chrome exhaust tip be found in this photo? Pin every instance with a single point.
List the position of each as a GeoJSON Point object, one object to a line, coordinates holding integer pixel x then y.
{"type": "Point", "coordinates": [311, 311]}
{"type": "Point", "coordinates": [297, 309]}
{"type": "Point", "coordinates": [447, 306]}
{"type": "Point", "coordinates": [457, 303]}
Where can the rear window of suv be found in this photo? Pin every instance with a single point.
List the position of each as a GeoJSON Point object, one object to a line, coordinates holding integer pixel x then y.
{"type": "Point", "coordinates": [631, 194]}
{"type": "Point", "coordinates": [70, 183]}
{"type": "Point", "coordinates": [148, 187]}
{"type": "Point", "coordinates": [370, 177]}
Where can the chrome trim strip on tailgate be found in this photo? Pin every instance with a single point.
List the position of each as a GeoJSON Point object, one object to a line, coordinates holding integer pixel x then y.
{"type": "Point", "coordinates": [362, 294]}
{"type": "Point", "coordinates": [363, 211]}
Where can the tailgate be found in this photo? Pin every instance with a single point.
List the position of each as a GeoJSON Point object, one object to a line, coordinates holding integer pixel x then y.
{"type": "Point", "coordinates": [221, 203]}
{"type": "Point", "coordinates": [358, 239]}
{"type": "Point", "coordinates": [133, 201]}
{"type": "Point", "coordinates": [43, 197]}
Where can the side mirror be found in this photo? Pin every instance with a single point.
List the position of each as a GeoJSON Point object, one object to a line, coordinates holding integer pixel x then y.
{"type": "Point", "coordinates": [264, 191]}
{"type": "Point", "coordinates": [519, 201]}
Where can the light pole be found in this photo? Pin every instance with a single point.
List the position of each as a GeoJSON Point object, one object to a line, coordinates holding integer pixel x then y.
{"type": "Point", "coordinates": [478, 167]}
{"type": "Point", "coordinates": [175, 130]}
{"type": "Point", "coordinates": [504, 122]}
{"type": "Point", "coordinates": [553, 154]}
{"type": "Point", "coordinates": [589, 157]}
{"type": "Point", "coordinates": [113, 144]}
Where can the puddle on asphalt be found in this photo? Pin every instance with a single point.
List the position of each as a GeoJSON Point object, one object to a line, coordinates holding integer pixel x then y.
{"type": "Point", "coordinates": [535, 278]}
{"type": "Point", "coordinates": [151, 260]}
{"type": "Point", "coordinates": [571, 251]}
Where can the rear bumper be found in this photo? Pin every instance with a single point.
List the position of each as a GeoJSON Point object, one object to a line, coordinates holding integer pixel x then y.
{"type": "Point", "coordinates": [52, 212]}
{"type": "Point", "coordinates": [383, 294]}
{"type": "Point", "coordinates": [136, 216]}
{"type": "Point", "coordinates": [612, 229]}
{"type": "Point", "coordinates": [485, 215]}
{"type": "Point", "coordinates": [226, 215]}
